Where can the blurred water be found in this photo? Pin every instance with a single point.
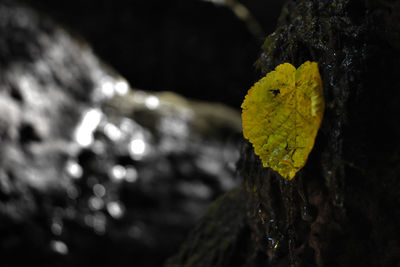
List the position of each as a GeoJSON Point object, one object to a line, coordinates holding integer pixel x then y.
{"type": "Point", "coordinates": [92, 171]}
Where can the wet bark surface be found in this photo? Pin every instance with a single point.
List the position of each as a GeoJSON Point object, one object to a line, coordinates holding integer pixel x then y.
{"type": "Point", "coordinates": [342, 208]}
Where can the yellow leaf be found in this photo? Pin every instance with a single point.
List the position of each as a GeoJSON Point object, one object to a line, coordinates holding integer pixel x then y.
{"type": "Point", "coordinates": [281, 115]}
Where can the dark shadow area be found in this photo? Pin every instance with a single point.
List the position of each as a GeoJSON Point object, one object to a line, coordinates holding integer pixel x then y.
{"type": "Point", "coordinates": [196, 48]}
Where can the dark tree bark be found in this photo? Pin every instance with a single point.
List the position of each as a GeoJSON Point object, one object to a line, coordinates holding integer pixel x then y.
{"type": "Point", "coordinates": [342, 209]}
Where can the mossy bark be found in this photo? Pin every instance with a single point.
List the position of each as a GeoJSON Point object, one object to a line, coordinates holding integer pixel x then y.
{"type": "Point", "coordinates": [342, 208]}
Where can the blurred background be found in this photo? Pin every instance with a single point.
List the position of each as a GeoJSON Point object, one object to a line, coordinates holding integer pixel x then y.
{"type": "Point", "coordinates": [119, 123]}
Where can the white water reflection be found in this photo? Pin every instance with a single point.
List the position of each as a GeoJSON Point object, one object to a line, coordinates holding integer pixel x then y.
{"type": "Point", "coordinates": [118, 172]}
{"type": "Point", "coordinates": [121, 87]}
{"type": "Point", "coordinates": [89, 123]}
{"type": "Point", "coordinates": [73, 169]}
{"type": "Point", "coordinates": [137, 148]}
{"type": "Point", "coordinates": [59, 247]}
{"type": "Point", "coordinates": [115, 209]}
{"type": "Point", "coordinates": [153, 128]}
{"type": "Point", "coordinates": [152, 102]}
{"type": "Point", "coordinates": [112, 132]}
{"type": "Point", "coordinates": [107, 87]}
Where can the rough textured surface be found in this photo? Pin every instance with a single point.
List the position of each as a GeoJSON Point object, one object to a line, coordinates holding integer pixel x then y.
{"type": "Point", "coordinates": [342, 208]}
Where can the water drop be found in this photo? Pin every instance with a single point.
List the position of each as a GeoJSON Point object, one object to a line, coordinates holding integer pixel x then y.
{"type": "Point", "coordinates": [95, 203]}
{"type": "Point", "coordinates": [99, 190]}
{"type": "Point", "coordinates": [107, 87]}
{"type": "Point", "coordinates": [89, 123]}
{"type": "Point", "coordinates": [73, 169]}
{"type": "Point", "coordinates": [115, 209]}
{"type": "Point", "coordinates": [121, 87]}
{"type": "Point", "coordinates": [273, 243]}
{"type": "Point", "coordinates": [112, 132]}
{"type": "Point", "coordinates": [118, 172]}
{"type": "Point", "coordinates": [137, 148]}
{"type": "Point", "coordinates": [152, 102]}
{"type": "Point", "coordinates": [59, 247]}
{"type": "Point", "coordinates": [72, 192]}
{"type": "Point", "coordinates": [131, 175]}
{"type": "Point", "coordinates": [57, 227]}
